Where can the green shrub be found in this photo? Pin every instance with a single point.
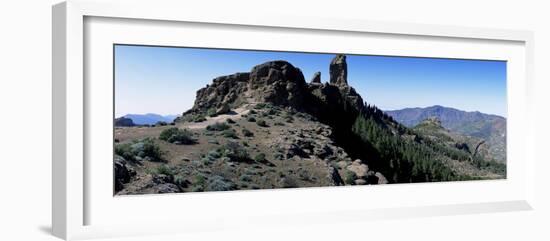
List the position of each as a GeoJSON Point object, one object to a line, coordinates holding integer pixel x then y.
{"type": "Point", "coordinates": [164, 170]}
{"type": "Point", "coordinates": [349, 177]}
{"type": "Point", "coordinates": [247, 133]}
{"type": "Point", "coordinates": [211, 112]}
{"type": "Point", "coordinates": [260, 157]}
{"type": "Point", "coordinates": [235, 152]}
{"type": "Point", "coordinates": [260, 106]}
{"type": "Point", "coordinates": [252, 112]}
{"type": "Point", "coordinates": [214, 154]}
{"type": "Point", "coordinates": [161, 123]}
{"type": "Point", "coordinates": [125, 151]}
{"type": "Point", "coordinates": [218, 127]}
{"type": "Point", "coordinates": [279, 123]}
{"type": "Point", "coordinates": [180, 181]}
{"type": "Point", "coordinates": [137, 151]}
{"type": "Point", "coordinates": [245, 178]}
{"type": "Point", "coordinates": [230, 133]}
{"type": "Point", "coordinates": [262, 123]}
{"type": "Point", "coordinates": [199, 181]}
{"type": "Point", "coordinates": [177, 136]}
{"type": "Point", "coordinates": [147, 148]}
{"type": "Point", "coordinates": [251, 119]}
{"type": "Point", "coordinates": [199, 118]}
{"type": "Point", "coordinates": [218, 183]}
{"type": "Point", "coordinates": [230, 121]}
{"type": "Point", "coordinates": [271, 111]}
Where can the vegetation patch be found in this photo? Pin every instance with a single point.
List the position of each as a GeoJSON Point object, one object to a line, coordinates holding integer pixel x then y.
{"type": "Point", "coordinates": [262, 123]}
{"type": "Point", "coordinates": [218, 183]}
{"type": "Point", "coordinates": [177, 136]}
{"type": "Point", "coordinates": [218, 127]}
{"type": "Point", "coordinates": [211, 112]}
{"type": "Point", "coordinates": [230, 133]}
{"type": "Point", "coordinates": [349, 177]}
{"type": "Point", "coordinates": [260, 157]}
{"type": "Point", "coordinates": [199, 183]}
{"type": "Point", "coordinates": [235, 152]}
{"type": "Point", "coordinates": [247, 133]}
{"type": "Point", "coordinates": [163, 170]}
{"type": "Point", "coordinates": [199, 118]}
{"type": "Point", "coordinates": [140, 150]}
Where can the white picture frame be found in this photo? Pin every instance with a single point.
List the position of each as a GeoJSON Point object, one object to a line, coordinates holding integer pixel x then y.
{"type": "Point", "coordinates": [74, 107]}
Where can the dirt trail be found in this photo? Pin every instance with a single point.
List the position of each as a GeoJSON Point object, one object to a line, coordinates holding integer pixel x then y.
{"type": "Point", "coordinates": [234, 114]}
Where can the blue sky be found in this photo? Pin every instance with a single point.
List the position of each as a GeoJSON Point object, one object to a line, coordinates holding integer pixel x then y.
{"type": "Point", "coordinates": [164, 80]}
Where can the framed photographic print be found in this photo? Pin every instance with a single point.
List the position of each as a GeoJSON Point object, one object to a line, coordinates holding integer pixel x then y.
{"type": "Point", "coordinates": [205, 122]}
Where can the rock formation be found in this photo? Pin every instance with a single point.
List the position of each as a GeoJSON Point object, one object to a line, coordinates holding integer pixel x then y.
{"type": "Point", "coordinates": [316, 78]}
{"type": "Point", "coordinates": [279, 83]}
{"type": "Point", "coordinates": [339, 71]}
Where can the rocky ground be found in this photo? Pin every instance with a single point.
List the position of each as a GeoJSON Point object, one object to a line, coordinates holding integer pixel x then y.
{"type": "Point", "coordinates": [284, 148]}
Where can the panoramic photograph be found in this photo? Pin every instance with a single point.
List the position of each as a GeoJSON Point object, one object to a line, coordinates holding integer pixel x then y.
{"type": "Point", "coordinates": [204, 120]}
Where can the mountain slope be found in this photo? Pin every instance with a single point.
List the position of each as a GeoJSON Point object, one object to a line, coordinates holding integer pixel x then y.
{"type": "Point", "coordinates": [491, 128]}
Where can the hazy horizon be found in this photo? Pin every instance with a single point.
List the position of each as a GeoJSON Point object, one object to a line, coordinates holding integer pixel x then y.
{"type": "Point", "coordinates": [164, 80]}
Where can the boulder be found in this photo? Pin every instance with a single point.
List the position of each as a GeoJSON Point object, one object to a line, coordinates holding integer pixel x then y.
{"type": "Point", "coordinates": [123, 172]}
{"type": "Point", "coordinates": [162, 178]}
{"type": "Point", "coordinates": [361, 170]}
{"type": "Point", "coordinates": [334, 177]}
{"type": "Point", "coordinates": [342, 164]}
{"type": "Point", "coordinates": [166, 188]}
{"type": "Point", "coordinates": [360, 182]}
{"type": "Point", "coordinates": [323, 152]}
{"type": "Point", "coordinates": [381, 178]}
{"type": "Point", "coordinates": [223, 109]}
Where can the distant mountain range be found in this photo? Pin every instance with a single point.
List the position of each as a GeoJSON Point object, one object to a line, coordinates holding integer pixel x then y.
{"type": "Point", "coordinates": [150, 118]}
{"type": "Point", "coordinates": [491, 128]}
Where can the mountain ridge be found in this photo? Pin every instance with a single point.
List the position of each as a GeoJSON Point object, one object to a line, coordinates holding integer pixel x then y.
{"type": "Point", "coordinates": [489, 127]}
{"type": "Point", "coordinates": [149, 118]}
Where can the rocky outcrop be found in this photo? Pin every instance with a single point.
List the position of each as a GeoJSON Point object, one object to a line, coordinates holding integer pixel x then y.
{"type": "Point", "coordinates": [279, 83]}
{"type": "Point", "coordinates": [282, 84]}
{"type": "Point", "coordinates": [339, 71]}
{"type": "Point", "coordinates": [123, 172]}
{"type": "Point", "coordinates": [316, 78]}
{"type": "Point", "coordinates": [123, 121]}
{"type": "Point", "coordinates": [276, 82]}
{"type": "Point", "coordinates": [360, 169]}
{"type": "Point", "coordinates": [223, 90]}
